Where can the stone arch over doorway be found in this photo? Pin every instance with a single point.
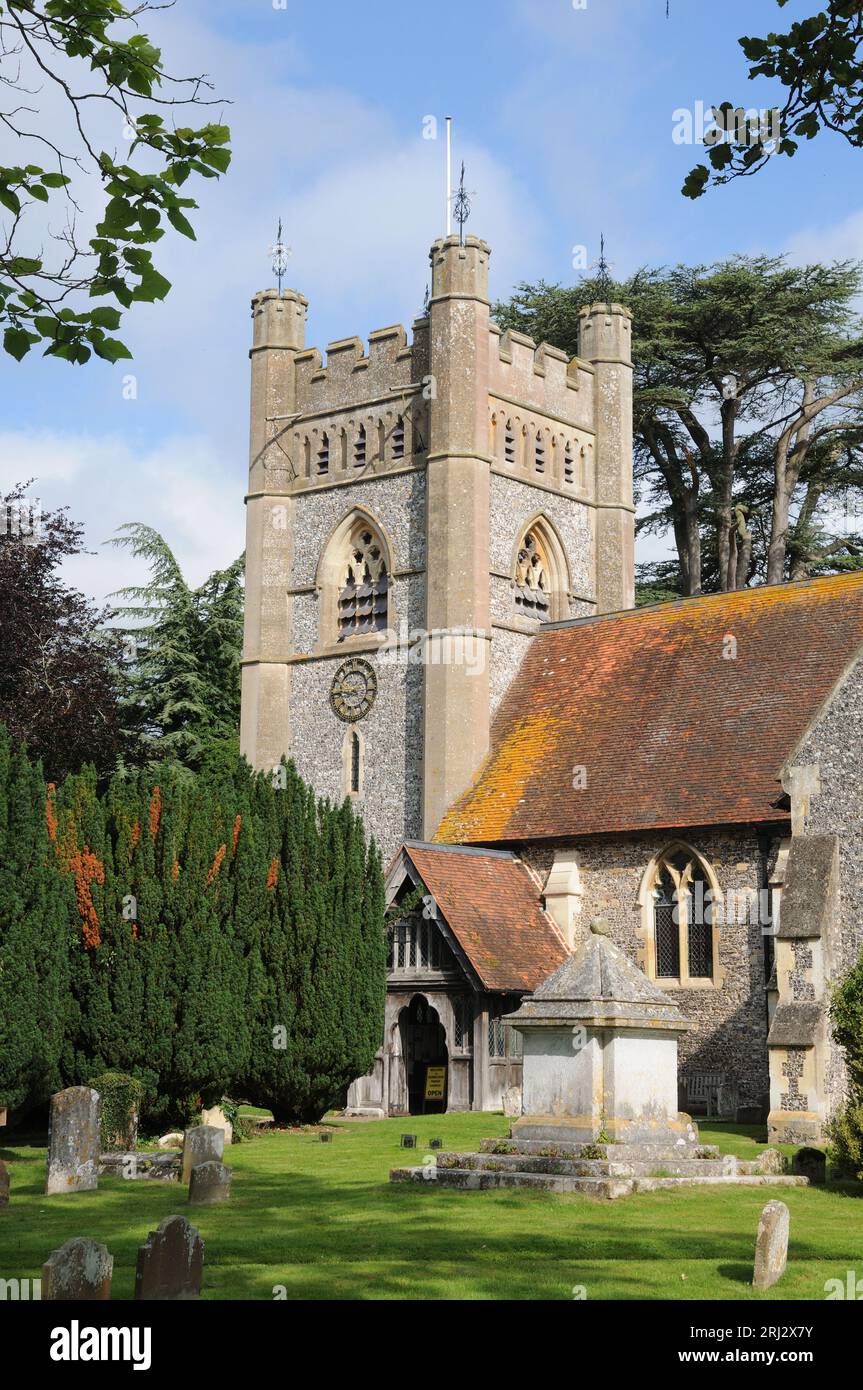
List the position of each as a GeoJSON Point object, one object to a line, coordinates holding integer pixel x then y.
{"type": "Point", "coordinates": [423, 1043]}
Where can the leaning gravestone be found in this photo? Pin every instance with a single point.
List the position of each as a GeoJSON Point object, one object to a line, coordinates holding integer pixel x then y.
{"type": "Point", "coordinates": [170, 1262]}
{"type": "Point", "coordinates": [771, 1245]}
{"type": "Point", "coordinates": [512, 1102]}
{"type": "Point", "coordinates": [211, 1183]}
{"type": "Point", "coordinates": [811, 1164]}
{"type": "Point", "coordinates": [80, 1270]}
{"type": "Point", "coordinates": [73, 1141]}
{"type": "Point", "coordinates": [4, 1186]}
{"type": "Point", "coordinates": [202, 1144]}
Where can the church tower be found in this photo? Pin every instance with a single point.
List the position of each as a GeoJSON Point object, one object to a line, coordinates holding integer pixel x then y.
{"type": "Point", "coordinates": [414, 514]}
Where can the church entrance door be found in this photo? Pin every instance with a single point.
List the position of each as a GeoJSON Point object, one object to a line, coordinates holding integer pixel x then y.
{"type": "Point", "coordinates": [423, 1041]}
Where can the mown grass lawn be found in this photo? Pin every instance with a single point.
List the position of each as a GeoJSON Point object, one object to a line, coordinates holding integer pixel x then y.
{"type": "Point", "coordinates": [323, 1222]}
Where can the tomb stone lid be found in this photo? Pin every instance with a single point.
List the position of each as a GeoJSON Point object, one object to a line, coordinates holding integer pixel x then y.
{"type": "Point", "coordinates": [599, 983]}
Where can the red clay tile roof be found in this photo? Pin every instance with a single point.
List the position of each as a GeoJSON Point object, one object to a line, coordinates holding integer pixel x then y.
{"type": "Point", "coordinates": [491, 902]}
{"type": "Point", "coordinates": [669, 731]}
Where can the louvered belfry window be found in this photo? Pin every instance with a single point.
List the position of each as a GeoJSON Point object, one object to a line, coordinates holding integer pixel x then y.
{"type": "Point", "coordinates": [666, 929]}
{"type": "Point", "coordinates": [531, 579]}
{"type": "Point", "coordinates": [399, 439]}
{"type": "Point", "coordinates": [363, 599]}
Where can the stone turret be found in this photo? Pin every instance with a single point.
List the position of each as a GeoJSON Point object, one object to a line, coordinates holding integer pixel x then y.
{"type": "Point", "coordinates": [605, 341]}
{"type": "Point", "coordinates": [278, 337]}
{"type": "Point", "coordinates": [458, 471]}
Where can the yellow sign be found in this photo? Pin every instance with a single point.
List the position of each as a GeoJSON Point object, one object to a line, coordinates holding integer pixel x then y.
{"type": "Point", "coordinates": [435, 1083]}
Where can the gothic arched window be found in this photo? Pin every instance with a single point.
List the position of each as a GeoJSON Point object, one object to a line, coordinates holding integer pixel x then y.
{"type": "Point", "coordinates": [681, 923]}
{"type": "Point", "coordinates": [362, 604]}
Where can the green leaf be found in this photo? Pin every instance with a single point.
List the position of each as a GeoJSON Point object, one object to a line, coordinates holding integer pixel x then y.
{"type": "Point", "coordinates": [695, 181]}
{"type": "Point", "coordinates": [111, 349]}
{"type": "Point", "coordinates": [177, 220]}
{"type": "Point", "coordinates": [105, 317]}
{"type": "Point", "coordinates": [55, 180]}
{"type": "Point", "coordinates": [152, 286]}
{"type": "Point", "coordinates": [217, 159]}
{"type": "Point", "coordinates": [9, 199]}
{"type": "Point", "coordinates": [18, 342]}
{"type": "Point", "coordinates": [37, 191]}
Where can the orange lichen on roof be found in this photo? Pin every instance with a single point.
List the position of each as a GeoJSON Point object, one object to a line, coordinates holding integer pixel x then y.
{"type": "Point", "coordinates": [678, 714]}
{"type": "Point", "coordinates": [514, 764]}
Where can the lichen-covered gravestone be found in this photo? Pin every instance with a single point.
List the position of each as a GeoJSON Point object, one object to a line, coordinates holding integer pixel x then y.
{"type": "Point", "coordinates": [211, 1183]}
{"type": "Point", "coordinates": [170, 1262]}
{"type": "Point", "coordinates": [4, 1186]}
{"type": "Point", "coordinates": [202, 1144]}
{"type": "Point", "coordinates": [811, 1164]}
{"type": "Point", "coordinates": [80, 1270]}
{"type": "Point", "coordinates": [73, 1141]}
{"type": "Point", "coordinates": [771, 1245]}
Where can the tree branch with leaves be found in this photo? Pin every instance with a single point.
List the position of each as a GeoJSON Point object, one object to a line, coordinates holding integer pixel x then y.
{"type": "Point", "coordinates": [46, 49]}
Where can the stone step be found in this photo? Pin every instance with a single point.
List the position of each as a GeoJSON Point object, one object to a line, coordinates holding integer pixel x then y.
{"type": "Point", "coordinates": [618, 1153]}
{"type": "Point", "coordinates": [582, 1167]}
{"type": "Point", "coordinates": [467, 1180]}
{"type": "Point", "coordinates": [605, 1187]}
{"type": "Point", "coordinates": [737, 1179]}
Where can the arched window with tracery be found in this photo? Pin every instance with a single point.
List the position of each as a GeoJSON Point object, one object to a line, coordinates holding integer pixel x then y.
{"type": "Point", "coordinates": [681, 921]}
{"type": "Point", "coordinates": [362, 603]}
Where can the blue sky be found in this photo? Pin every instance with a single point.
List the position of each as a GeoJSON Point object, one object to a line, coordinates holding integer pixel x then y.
{"type": "Point", "coordinates": [564, 117]}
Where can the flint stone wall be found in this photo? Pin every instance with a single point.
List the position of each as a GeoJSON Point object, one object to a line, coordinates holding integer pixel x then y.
{"type": "Point", "coordinates": [730, 1033]}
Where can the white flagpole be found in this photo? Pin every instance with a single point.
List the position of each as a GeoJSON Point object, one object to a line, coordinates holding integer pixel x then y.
{"type": "Point", "coordinates": [449, 175]}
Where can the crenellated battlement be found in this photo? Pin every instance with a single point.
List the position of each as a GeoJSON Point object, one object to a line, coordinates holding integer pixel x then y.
{"type": "Point", "coordinates": [540, 378]}
{"type": "Point", "coordinates": [352, 375]}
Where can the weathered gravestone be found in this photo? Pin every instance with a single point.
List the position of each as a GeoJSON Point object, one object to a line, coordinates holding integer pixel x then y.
{"type": "Point", "coordinates": [770, 1161]}
{"type": "Point", "coordinates": [170, 1262]}
{"type": "Point", "coordinates": [73, 1141]}
{"type": "Point", "coordinates": [202, 1144]}
{"type": "Point", "coordinates": [211, 1183]}
{"type": "Point", "coordinates": [4, 1186]}
{"type": "Point", "coordinates": [80, 1270]}
{"type": "Point", "coordinates": [811, 1164]}
{"type": "Point", "coordinates": [771, 1245]}
{"type": "Point", "coordinates": [512, 1102]}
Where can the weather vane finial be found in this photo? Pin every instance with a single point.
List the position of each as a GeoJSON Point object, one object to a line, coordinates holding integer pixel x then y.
{"type": "Point", "coordinates": [461, 206]}
{"type": "Point", "coordinates": [280, 254]}
{"type": "Point", "coordinates": [603, 277]}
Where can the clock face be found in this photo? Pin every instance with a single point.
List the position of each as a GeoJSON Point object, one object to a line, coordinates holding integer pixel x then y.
{"type": "Point", "coordinates": [353, 690]}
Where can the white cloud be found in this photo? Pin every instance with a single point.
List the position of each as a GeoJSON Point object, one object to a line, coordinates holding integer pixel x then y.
{"type": "Point", "coordinates": [839, 241]}
{"type": "Point", "coordinates": [179, 487]}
